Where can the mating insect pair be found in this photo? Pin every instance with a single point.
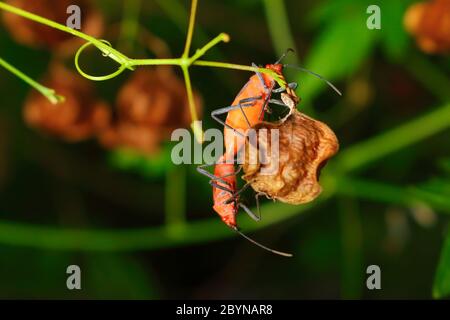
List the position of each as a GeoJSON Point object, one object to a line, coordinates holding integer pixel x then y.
{"type": "Point", "coordinates": [246, 111]}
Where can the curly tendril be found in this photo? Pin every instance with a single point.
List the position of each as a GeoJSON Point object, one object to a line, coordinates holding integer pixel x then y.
{"type": "Point", "coordinates": [122, 60]}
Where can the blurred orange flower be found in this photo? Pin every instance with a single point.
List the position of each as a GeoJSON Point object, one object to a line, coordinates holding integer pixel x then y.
{"type": "Point", "coordinates": [34, 34]}
{"type": "Point", "coordinates": [79, 117]}
{"type": "Point", "coordinates": [429, 22]}
{"type": "Point", "coordinates": [150, 106]}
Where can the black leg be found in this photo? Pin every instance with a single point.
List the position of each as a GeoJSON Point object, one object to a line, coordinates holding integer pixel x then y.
{"type": "Point", "coordinates": [278, 102]}
{"type": "Point", "coordinates": [257, 203]}
{"type": "Point", "coordinates": [237, 193]}
{"type": "Point", "coordinates": [244, 103]}
{"type": "Point", "coordinates": [218, 186]}
{"type": "Point", "coordinates": [249, 212]}
{"type": "Point", "coordinates": [201, 170]}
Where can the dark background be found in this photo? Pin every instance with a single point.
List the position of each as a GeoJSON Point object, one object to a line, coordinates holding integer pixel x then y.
{"type": "Point", "coordinates": [395, 217]}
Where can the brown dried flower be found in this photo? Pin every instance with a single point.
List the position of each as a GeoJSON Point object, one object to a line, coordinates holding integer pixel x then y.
{"type": "Point", "coordinates": [429, 22]}
{"type": "Point", "coordinates": [34, 34]}
{"type": "Point", "coordinates": [291, 174]}
{"type": "Point", "coordinates": [79, 117]}
{"type": "Point", "coordinates": [150, 106]}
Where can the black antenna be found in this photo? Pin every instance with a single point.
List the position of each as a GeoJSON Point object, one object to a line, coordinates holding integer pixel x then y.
{"type": "Point", "coordinates": [316, 75]}
{"type": "Point", "coordinates": [284, 254]}
{"type": "Point", "coordinates": [284, 55]}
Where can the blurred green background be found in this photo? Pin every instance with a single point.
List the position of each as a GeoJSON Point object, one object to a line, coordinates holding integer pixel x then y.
{"type": "Point", "coordinates": [141, 228]}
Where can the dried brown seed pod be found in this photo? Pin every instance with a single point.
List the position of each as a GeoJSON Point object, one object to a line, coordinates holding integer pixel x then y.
{"type": "Point", "coordinates": [151, 104]}
{"type": "Point", "coordinates": [79, 117]}
{"type": "Point", "coordinates": [34, 34]}
{"type": "Point", "coordinates": [429, 22]}
{"type": "Point", "coordinates": [131, 136]}
{"type": "Point", "coordinates": [290, 174]}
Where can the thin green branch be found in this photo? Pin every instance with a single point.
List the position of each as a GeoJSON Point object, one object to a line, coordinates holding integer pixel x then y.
{"type": "Point", "coordinates": [47, 92]}
{"type": "Point", "coordinates": [225, 65]}
{"type": "Point", "coordinates": [280, 31]}
{"type": "Point", "coordinates": [190, 33]}
{"type": "Point", "coordinates": [351, 235]}
{"type": "Point", "coordinates": [105, 48]}
{"type": "Point", "coordinates": [198, 133]}
{"type": "Point", "coordinates": [386, 193]}
{"type": "Point", "coordinates": [138, 239]}
{"type": "Point", "coordinates": [175, 199]}
{"type": "Point", "coordinates": [364, 153]}
{"type": "Point", "coordinates": [201, 52]}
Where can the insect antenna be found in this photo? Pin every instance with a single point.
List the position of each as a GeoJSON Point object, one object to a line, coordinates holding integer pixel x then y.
{"type": "Point", "coordinates": [316, 75]}
{"type": "Point", "coordinates": [280, 253]}
{"type": "Point", "coordinates": [284, 55]}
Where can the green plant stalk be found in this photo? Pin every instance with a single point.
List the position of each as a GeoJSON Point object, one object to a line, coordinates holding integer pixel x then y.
{"type": "Point", "coordinates": [126, 63]}
{"type": "Point", "coordinates": [225, 65]}
{"type": "Point", "coordinates": [195, 124]}
{"type": "Point", "coordinates": [175, 199]}
{"type": "Point", "coordinates": [190, 33]}
{"type": "Point", "coordinates": [382, 192]}
{"type": "Point", "coordinates": [441, 283]}
{"type": "Point", "coordinates": [139, 239]}
{"type": "Point", "coordinates": [280, 31]}
{"type": "Point", "coordinates": [107, 50]}
{"type": "Point", "coordinates": [366, 152]}
{"type": "Point", "coordinates": [351, 248]}
{"type": "Point", "coordinates": [47, 92]}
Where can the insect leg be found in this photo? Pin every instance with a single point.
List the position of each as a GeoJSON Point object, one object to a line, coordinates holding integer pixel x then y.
{"type": "Point", "coordinates": [237, 193]}
{"type": "Point", "coordinates": [257, 203]}
{"type": "Point", "coordinates": [249, 212]}
{"type": "Point", "coordinates": [291, 85]}
{"type": "Point", "coordinates": [201, 170]}
{"type": "Point", "coordinates": [278, 102]}
{"type": "Point", "coordinates": [218, 186]}
{"type": "Point", "coordinates": [244, 103]}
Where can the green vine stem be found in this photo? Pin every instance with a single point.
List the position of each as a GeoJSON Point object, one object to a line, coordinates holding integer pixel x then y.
{"type": "Point", "coordinates": [376, 148]}
{"type": "Point", "coordinates": [106, 49]}
{"type": "Point", "coordinates": [385, 193]}
{"type": "Point", "coordinates": [211, 229]}
{"type": "Point", "coordinates": [185, 61]}
{"type": "Point", "coordinates": [175, 199]}
{"type": "Point", "coordinates": [50, 94]}
{"type": "Point", "coordinates": [280, 31]}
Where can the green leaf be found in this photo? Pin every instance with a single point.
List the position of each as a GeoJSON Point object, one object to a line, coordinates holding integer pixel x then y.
{"type": "Point", "coordinates": [339, 51]}
{"type": "Point", "coordinates": [441, 287]}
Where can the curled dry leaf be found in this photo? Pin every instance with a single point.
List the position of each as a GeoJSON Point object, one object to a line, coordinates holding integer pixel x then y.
{"type": "Point", "coordinates": [290, 174]}
{"type": "Point", "coordinates": [34, 34]}
{"type": "Point", "coordinates": [429, 22]}
{"type": "Point", "coordinates": [79, 117]}
{"type": "Point", "coordinates": [150, 106]}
